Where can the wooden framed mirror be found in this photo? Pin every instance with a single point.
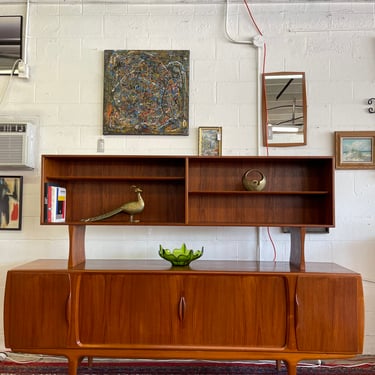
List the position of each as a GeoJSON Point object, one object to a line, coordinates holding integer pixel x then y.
{"type": "Point", "coordinates": [284, 109]}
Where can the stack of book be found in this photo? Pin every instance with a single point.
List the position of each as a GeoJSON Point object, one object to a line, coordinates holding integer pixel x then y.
{"type": "Point", "coordinates": [54, 203]}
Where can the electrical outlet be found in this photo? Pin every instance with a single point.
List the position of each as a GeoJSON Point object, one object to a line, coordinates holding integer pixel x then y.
{"type": "Point", "coordinates": [100, 145]}
{"type": "Point", "coordinates": [23, 70]}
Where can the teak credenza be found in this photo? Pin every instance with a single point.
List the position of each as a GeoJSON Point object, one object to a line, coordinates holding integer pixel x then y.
{"type": "Point", "coordinates": [223, 310]}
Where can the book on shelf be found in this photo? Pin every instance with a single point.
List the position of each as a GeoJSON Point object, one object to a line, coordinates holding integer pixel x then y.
{"type": "Point", "coordinates": [54, 203]}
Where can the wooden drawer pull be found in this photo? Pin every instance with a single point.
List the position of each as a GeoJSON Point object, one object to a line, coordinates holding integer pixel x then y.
{"type": "Point", "coordinates": [181, 308]}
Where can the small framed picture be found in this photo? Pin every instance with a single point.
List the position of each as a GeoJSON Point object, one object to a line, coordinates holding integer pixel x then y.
{"type": "Point", "coordinates": [10, 202]}
{"type": "Point", "coordinates": [209, 140]}
{"type": "Point", "coordinates": [355, 149]}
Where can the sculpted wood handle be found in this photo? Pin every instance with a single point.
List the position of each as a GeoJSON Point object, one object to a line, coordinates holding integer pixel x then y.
{"type": "Point", "coordinates": [181, 308]}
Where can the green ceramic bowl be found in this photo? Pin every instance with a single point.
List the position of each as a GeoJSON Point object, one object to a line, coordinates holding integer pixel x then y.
{"type": "Point", "coordinates": [180, 257]}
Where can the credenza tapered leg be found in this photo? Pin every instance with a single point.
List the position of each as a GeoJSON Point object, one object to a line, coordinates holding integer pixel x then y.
{"type": "Point", "coordinates": [291, 366]}
{"type": "Point", "coordinates": [73, 365]}
{"type": "Point", "coordinates": [278, 364]}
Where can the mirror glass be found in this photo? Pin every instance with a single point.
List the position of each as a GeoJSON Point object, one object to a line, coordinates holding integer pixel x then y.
{"type": "Point", "coordinates": [284, 109]}
{"type": "Point", "coordinates": [10, 43]}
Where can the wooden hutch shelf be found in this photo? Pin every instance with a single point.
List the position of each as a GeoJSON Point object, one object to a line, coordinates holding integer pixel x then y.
{"type": "Point", "coordinates": [194, 191]}
{"type": "Point", "coordinates": [222, 310]}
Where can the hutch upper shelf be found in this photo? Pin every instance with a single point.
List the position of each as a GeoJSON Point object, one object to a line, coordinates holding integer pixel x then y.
{"type": "Point", "coordinates": [191, 190]}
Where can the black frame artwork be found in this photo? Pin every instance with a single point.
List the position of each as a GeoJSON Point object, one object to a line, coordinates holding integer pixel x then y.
{"type": "Point", "coordinates": [11, 202]}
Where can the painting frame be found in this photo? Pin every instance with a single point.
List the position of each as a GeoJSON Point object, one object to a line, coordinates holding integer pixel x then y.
{"type": "Point", "coordinates": [210, 141]}
{"type": "Point", "coordinates": [146, 92]}
{"type": "Point", "coordinates": [11, 190]}
{"type": "Point", "coordinates": [355, 149]}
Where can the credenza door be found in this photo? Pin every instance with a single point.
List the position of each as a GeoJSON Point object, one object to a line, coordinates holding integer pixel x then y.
{"type": "Point", "coordinates": [36, 309]}
{"type": "Point", "coordinates": [235, 310]}
{"type": "Point", "coordinates": [329, 313]}
{"type": "Point", "coordinates": [142, 309]}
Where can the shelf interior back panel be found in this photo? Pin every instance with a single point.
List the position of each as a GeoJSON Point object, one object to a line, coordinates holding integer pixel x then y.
{"type": "Point", "coordinates": [164, 202]}
{"type": "Point", "coordinates": [281, 174]}
{"type": "Point", "coordinates": [260, 209]}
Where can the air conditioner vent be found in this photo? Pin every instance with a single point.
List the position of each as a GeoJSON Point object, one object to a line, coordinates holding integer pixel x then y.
{"type": "Point", "coordinates": [17, 146]}
{"type": "Point", "coordinates": [13, 128]}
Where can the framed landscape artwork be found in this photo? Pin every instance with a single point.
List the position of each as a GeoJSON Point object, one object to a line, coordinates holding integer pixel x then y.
{"type": "Point", "coordinates": [355, 149]}
{"type": "Point", "coordinates": [10, 202]}
{"type": "Point", "coordinates": [146, 92]}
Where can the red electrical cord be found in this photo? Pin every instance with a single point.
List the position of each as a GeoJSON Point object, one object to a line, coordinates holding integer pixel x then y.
{"type": "Point", "coordinates": [259, 32]}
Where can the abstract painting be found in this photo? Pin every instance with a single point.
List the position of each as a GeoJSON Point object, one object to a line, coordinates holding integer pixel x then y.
{"type": "Point", "coordinates": [10, 202]}
{"type": "Point", "coordinates": [146, 92]}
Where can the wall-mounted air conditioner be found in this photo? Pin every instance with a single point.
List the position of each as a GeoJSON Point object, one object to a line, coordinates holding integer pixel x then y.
{"type": "Point", "coordinates": [17, 146]}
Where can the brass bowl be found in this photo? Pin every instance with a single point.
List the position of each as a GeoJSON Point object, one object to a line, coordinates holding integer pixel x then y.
{"type": "Point", "coordinates": [180, 257]}
{"type": "Point", "coordinates": [254, 180]}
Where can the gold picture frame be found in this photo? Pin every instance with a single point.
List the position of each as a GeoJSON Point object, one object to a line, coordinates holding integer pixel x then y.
{"type": "Point", "coordinates": [210, 141]}
{"type": "Point", "coordinates": [355, 149]}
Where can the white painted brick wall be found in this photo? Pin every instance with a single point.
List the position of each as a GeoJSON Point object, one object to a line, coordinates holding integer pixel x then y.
{"type": "Point", "coordinates": [332, 43]}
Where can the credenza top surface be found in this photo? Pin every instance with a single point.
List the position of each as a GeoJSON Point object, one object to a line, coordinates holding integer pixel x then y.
{"type": "Point", "coordinates": [200, 266]}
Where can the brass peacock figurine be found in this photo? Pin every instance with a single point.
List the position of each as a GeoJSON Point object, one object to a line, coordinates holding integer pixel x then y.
{"type": "Point", "coordinates": [130, 208]}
